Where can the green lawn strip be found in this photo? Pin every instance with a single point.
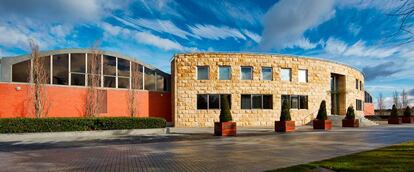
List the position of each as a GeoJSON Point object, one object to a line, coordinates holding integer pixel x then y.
{"type": "Point", "coordinates": [393, 158]}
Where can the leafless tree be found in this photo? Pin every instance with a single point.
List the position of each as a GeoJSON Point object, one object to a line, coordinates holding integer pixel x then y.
{"type": "Point", "coordinates": [405, 13]}
{"type": "Point", "coordinates": [136, 77]}
{"type": "Point", "coordinates": [396, 99]}
{"type": "Point", "coordinates": [404, 98]}
{"type": "Point", "coordinates": [39, 77]}
{"type": "Point", "coordinates": [381, 105]}
{"type": "Point", "coordinates": [94, 81]}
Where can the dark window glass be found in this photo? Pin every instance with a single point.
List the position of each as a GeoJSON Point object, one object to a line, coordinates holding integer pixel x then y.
{"type": "Point", "coordinates": [303, 102]}
{"type": "Point", "coordinates": [21, 71]}
{"type": "Point", "coordinates": [109, 81]}
{"type": "Point", "coordinates": [213, 101]}
{"type": "Point", "coordinates": [246, 102]}
{"type": "Point", "coordinates": [77, 63]}
{"type": "Point", "coordinates": [123, 82]}
{"type": "Point", "coordinates": [60, 69]}
{"type": "Point", "coordinates": [294, 102]}
{"type": "Point", "coordinates": [136, 76]}
{"type": "Point", "coordinates": [109, 65]}
{"type": "Point", "coordinates": [160, 82]}
{"type": "Point", "coordinates": [202, 101]}
{"type": "Point", "coordinates": [358, 105]}
{"type": "Point", "coordinates": [149, 79]}
{"type": "Point", "coordinates": [246, 73]}
{"type": "Point", "coordinates": [78, 79]}
{"type": "Point", "coordinates": [228, 99]}
{"type": "Point", "coordinates": [45, 63]}
{"type": "Point", "coordinates": [360, 85]}
{"type": "Point", "coordinates": [356, 84]}
{"type": "Point", "coordinates": [257, 101]}
{"type": "Point", "coordinates": [94, 63]}
{"type": "Point", "coordinates": [267, 102]}
{"type": "Point", "coordinates": [285, 98]}
{"type": "Point", "coordinates": [123, 67]}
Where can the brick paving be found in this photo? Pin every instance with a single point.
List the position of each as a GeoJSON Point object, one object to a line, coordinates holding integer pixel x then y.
{"type": "Point", "coordinates": [245, 153]}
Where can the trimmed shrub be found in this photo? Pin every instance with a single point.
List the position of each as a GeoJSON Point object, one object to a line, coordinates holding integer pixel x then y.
{"type": "Point", "coordinates": [350, 113]}
{"type": "Point", "coordinates": [30, 125]}
{"type": "Point", "coordinates": [322, 114]}
{"type": "Point", "coordinates": [407, 112]}
{"type": "Point", "coordinates": [394, 111]}
{"type": "Point", "coordinates": [225, 113]}
{"type": "Point", "coordinates": [285, 113]}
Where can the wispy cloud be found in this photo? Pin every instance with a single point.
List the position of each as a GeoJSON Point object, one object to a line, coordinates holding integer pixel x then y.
{"type": "Point", "coordinates": [255, 37]}
{"type": "Point", "coordinates": [216, 32]}
{"type": "Point", "coordinates": [359, 49]}
{"type": "Point", "coordinates": [382, 70]}
{"type": "Point", "coordinates": [286, 21]}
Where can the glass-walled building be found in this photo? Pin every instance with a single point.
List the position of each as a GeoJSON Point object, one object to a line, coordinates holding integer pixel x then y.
{"type": "Point", "coordinates": [82, 67]}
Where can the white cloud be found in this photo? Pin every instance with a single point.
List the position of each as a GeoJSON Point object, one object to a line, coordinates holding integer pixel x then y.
{"type": "Point", "coordinates": [287, 20]}
{"type": "Point", "coordinates": [354, 29]}
{"type": "Point", "coordinates": [365, 4]}
{"type": "Point", "coordinates": [304, 43]}
{"type": "Point", "coordinates": [12, 37]}
{"type": "Point", "coordinates": [255, 37]}
{"type": "Point", "coordinates": [358, 49]}
{"type": "Point", "coordinates": [216, 33]}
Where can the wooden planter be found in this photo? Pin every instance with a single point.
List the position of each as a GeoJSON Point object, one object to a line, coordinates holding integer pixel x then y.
{"type": "Point", "coordinates": [407, 119]}
{"type": "Point", "coordinates": [322, 124]}
{"type": "Point", "coordinates": [284, 126]}
{"type": "Point", "coordinates": [225, 128]}
{"type": "Point", "coordinates": [394, 120]}
{"type": "Point", "coordinates": [350, 123]}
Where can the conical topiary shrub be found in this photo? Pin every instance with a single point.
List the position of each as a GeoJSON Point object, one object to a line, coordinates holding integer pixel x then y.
{"type": "Point", "coordinates": [350, 113]}
{"type": "Point", "coordinates": [225, 113]}
{"type": "Point", "coordinates": [394, 111]}
{"type": "Point", "coordinates": [407, 112]}
{"type": "Point", "coordinates": [285, 114]}
{"type": "Point", "coordinates": [322, 114]}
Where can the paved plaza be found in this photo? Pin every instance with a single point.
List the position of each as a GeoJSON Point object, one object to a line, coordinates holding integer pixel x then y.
{"type": "Point", "coordinates": [248, 152]}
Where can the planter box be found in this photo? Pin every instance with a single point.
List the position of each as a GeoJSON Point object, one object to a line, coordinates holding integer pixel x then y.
{"type": "Point", "coordinates": [284, 126]}
{"type": "Point", "coordinates": [225, 128]}
{"type": "Point", "coordinates": [322, 124]}
{"type": "Point", "coordinates": [350, 123]}
{"type": "Point", "coordinates": [407, 119]}
{"type": "Point", "coordinates": [394, 120]}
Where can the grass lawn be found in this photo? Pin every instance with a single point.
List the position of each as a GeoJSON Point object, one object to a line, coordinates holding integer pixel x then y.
{"type": "Point", "coordinates": [394, 158]}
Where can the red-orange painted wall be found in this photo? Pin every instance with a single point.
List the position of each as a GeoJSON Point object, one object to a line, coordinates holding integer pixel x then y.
{"type": "Point", "coordinates": [369, 109]}
{"type": "Point", "coordinates": [65, 101]}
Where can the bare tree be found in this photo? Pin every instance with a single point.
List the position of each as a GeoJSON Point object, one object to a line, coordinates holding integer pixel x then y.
{"type": "Point", "coordinates": [404, 98]}
{"type": "Point", "coordinates": [94, 81]}
{"type": "Point", "coordinates": [396, 99]}
{"type": "Point", "coordinates": [39, 78]}
{"type": "Point", "coordinates": [136, 77]}
{"type": "Point", "coordinates": [405, 13]}
{"type": "Point", "coordinates": [381, 105]}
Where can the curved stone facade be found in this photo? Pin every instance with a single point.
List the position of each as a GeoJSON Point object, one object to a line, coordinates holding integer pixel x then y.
{"type": "Point", "coordinates": [186, 87]}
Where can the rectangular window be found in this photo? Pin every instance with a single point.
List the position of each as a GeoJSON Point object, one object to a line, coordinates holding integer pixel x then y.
{"type": "Point", "coordinates": [246, 102]}
{"type": "Point", "coordinates": [356, 84]}
{"type": "Point", "coordinates": [77, 69]}
{"type": "Point", "coordinates": [267, 102]}
{"type": "Point", "coordinates": [21, 71]}
{"type": "Point", "coordinates": [150, 79]}
{"type": "Point", "coordinates": [224, 72]}
{"type": "Point", "coordinates": [358, 105]}
{"type": "Point", "coordinates": [246, 73]}
{"type": "Point", "coordinates": [267, 74]}
{"type": "Point", "coordinates": [257, 101]}
{"type": "Point", "coordinates": [202, 72]}
{"type": "Point", "coordinates": [294, 102]}
{"type": "Point", "coordinates": [286, 74]}
{"type": "Point", "coordinates": [360, 85]}
{"type": "Point", "coordinates": [303, 102]}
{"type": "Point", "coordinates": [136, 80]}
{"type": "Point", "coordinates": [202, 101]}
{"type": "Point", "coordinates": [160, 82]}
{"type": "Point", "coordinates": [94, 69]}
{"type": "Point", "coordinates": [61, 69]}
{"type": "Point", "coordinates": [303, 75]}
{"type": "Point", "coordinates": [211, 101]}
{"type": "Point", "coordinates": [77, 79]}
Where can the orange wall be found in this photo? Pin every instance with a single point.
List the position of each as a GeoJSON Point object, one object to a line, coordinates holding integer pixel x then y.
{"type": "Point", "coordinates": [64, 101]}
{"type": "Point", "coordinates": [369, 109]}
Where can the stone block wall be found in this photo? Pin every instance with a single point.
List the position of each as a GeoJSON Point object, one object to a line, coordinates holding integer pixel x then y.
{"type": "Point", "coordinates": [185, 87]}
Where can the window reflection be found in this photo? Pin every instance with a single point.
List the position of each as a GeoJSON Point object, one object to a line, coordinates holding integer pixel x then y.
{"type": "Point", "coordinates": [149, 79]}
{"type": "Point", "coordinates": [136, 80]}
{"type": "Point", "coordinates": [60, 69]}
{"type": "Point", "coordinates": [21, 71]}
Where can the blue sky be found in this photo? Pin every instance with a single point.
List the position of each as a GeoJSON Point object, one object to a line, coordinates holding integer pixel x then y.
{"type": "Point", "coordinates": [355, 32]}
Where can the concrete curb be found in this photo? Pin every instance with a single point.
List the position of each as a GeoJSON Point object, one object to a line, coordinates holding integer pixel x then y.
{"type": "Point", "coordinates": [78, 134]}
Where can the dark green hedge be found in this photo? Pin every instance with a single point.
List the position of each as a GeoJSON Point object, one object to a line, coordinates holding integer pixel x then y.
{"type": "Point", "coordinates": [30, 125]}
